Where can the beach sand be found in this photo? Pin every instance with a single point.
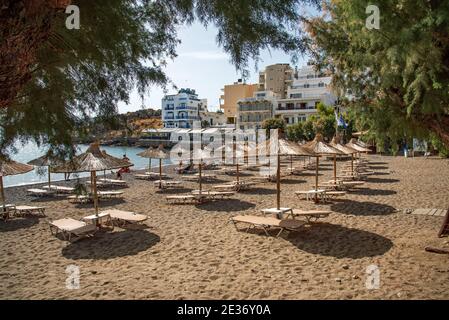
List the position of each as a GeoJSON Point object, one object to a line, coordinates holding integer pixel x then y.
{"type": "Point", "coordinates": [190, 252]}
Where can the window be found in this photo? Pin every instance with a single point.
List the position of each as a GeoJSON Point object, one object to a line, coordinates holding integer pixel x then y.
{"type": "Point", "coordinates": [306, 85]}
{"type": "Point", "coordinates": [179, 138]}
{"type": "Point", "coordinates": [321, 84]}
{"type": "Point", "coordinates": [296, 95]}
{"type": "Point", "coordinates": [211, 139]}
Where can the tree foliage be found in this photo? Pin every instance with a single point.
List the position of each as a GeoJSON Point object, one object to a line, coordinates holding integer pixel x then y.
{"type": "Point", "coordinates": [397, 77]}
{"type": "Point", "coordinates": [53, 78]}
{"type": "Point", "coordinates": [274, 123]}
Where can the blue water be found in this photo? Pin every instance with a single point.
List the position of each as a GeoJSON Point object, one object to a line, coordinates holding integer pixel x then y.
{"type": "Point", "coordinates": [31, 151]}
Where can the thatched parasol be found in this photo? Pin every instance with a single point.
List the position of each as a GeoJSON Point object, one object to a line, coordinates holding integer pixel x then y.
{"type": "Point", "coordinates": [282, 147]}
{"type": "Point", "coordinates": [200, 155]}
{"type": "Point", "coordinates": [353, 143]}
{"type": "Point", "coordinates": [346, 150]}
{"type": "Point", "coordinates": [319, 147]}
{"type": "Point", "coordinates": [237, 149]}
{"type": "Point", "coordinates": [93, 160]}
{"type": "Point", "coordinates": [10, 168]}
{"type": "Point", "coordinates": [45, 161]}
{"type": "Point", "coordinates": [158, 153]}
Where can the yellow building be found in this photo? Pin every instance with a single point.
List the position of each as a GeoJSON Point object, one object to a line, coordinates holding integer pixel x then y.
{"type": "Point", "coordinates": [233, 93]}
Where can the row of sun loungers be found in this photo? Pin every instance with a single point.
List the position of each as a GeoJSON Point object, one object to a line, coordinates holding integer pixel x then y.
{"type": "Point", "coordinates": [73, 230]}
{"type": "Point", "coordinates": [21, 210]}
{"type": "Point", "coordinates": [101, 195]}
{"type": "Point", "coordinates": [269, 223]}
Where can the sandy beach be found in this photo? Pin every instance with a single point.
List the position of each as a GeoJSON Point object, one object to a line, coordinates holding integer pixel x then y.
{"type": "Point", "coordinates": [190, 252]}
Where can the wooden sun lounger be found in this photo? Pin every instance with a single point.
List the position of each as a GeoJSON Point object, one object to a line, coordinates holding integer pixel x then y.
{"type": "Point", "coordinates": [5, 213]}
{"type": "Point", "coordinates": [266, 223]}
{"type": "Point", "coordinates": [29, 210]}
{"type": "Point", "coordinates": [70, 228]}
{"type": "Point", "coordinates": [310, 215]}
{"type": "Point", "coordinates": [183, 199]}
{"type": "Point", "coordinates": [39, 192]}
{"type": "Point", "coordinates": [213, 195]}
{"type": "Point", "coordinates": [79, 198]}
{"type": "Point", "coordinates": [114, 182]}
{"type": "Point", "coordinates": [125, 217]}
{"type": "Point", "coordinates": [59, 189]}
{"type": "Point", "coordinates": [168, 184]}
{"type": "Point", "coordinates": [149, 176]}
{"type": "Point", "coordinates": [110, 194]}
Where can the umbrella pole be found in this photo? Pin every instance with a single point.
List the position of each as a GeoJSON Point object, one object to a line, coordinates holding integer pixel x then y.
{"type": "Point", "coordinates": [278, 183]}
{"type": "Point", "coordinates": [291, 164]}
{"type": "Point", "coordinates": [149, 164]}
{"type": "Point", "coordinates": [49, 178]}
{"type": "Point", "coordinates": [201, 184]}
{"type": "Point", "coordinates": [335, 168]}
{"type": "Point", "coordinates": [237, 173]}
{"type": "Point", "coordinates": [2, 194]}
{"type": "Point", "coordinates": [160, 173]}
{"type": "Point", "coordinates": [94, 179]}
{"type": "Point", "coordinates": [316, 177]}
{"type": "Point", "coordinates": [352, 162]}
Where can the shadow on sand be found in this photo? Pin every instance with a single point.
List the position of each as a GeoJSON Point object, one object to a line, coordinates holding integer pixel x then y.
{"type": "Point", "coordinates": [101, 203]}
{"type": "Point", "coordinates": [382, 180]}
{"type": "Point", "coordinates": [18, 223]}
{"type": "Point", "coordinates": [173, 190]}
{"type": "Point", "coordinates": [111, 245]}
{"type": "Point", "coordinates": [362, 208]}
{"type": "Point", "coordinates": [339, 242]}
{"type": "Point", "coordinates": [231, 205]}
{"type": "Point", "coordinates": [261, 191]}
{"type": "Point", "coordinates": [372, 192]}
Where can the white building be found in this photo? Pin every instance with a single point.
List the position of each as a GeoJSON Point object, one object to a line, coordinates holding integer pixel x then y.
{"type": "Point", "coordinates": [307, 90]}
{"type": "Point", "coordinates": [181, 110]}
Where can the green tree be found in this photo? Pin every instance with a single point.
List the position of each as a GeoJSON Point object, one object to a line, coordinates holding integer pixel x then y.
{"type": "Point", "coordinates": [53, 78]}
{"type": "Point", "coordinates": [398, 75]}
{"type": "Point", "coordinates": [309, 131]}
{"type": "Point", "coordinates": [295, 132]}
{"type": "Point", "coordinates": [274, 123]}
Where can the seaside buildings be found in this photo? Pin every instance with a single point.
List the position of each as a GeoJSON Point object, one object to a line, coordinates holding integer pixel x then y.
{"type": "Point", "coordinates": [284, 93]}
{"type": "Point", "coordinates": [182, 109]}
{"type": "Point", "coordinates": [232, 93]}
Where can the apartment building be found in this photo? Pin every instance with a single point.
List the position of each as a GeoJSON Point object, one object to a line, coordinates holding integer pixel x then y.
{"type": "Point", "coordinates": [276, 78]}
{"type": "Point", "coordinates": [232, 93]}
{"type": "Point", "coordinates": [308, 88]}
{"type": "Point", "coordinates": [251, 112]}
{"type": "Point", "coordinates": [293, 100]}
{"type": "Point", "coordinates": [181, 110]}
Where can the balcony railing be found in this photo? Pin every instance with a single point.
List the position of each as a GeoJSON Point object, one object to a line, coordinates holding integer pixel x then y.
{"type": "Point", "coordinates": [187, 118]}
{"type": "Point", "coordinates": [169, 108]}
{"type": "Point", "coordinates": [186, 108]}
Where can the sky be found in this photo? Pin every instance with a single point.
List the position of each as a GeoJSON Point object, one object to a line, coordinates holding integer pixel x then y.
{"type": "Point", "coordinates": [203, 66]}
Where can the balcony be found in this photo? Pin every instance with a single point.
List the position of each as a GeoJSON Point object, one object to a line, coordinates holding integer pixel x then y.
{"type": "Point", "coordinates": [168, 118]}
{"type": "Point", "coordinates": [169, 108]}
{"type": "Point", "coordinates": [186, 108]}
{"type": "Point", "coordinates": [187, 118]}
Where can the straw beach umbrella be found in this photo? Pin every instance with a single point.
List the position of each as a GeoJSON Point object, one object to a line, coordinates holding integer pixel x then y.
{"type": "Point", "coordinates": [354, 144]}
{"type": "Point", "coordinates": [282, 147]}
{"type": "Point", "coordinates": [238, 152]}
{"type": "Point", "coordinates": [10, 168]}
{"type": "Point", "coordinates": [319, 147]}
{"type": "Point", "coordinates": [158, 153]}
{"type": "Point", "coordinates": [93, 160]}
{"type": "Point", "coordinates": [45, 161]}
{"type": "Point", "coordinates": [346, 150]}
